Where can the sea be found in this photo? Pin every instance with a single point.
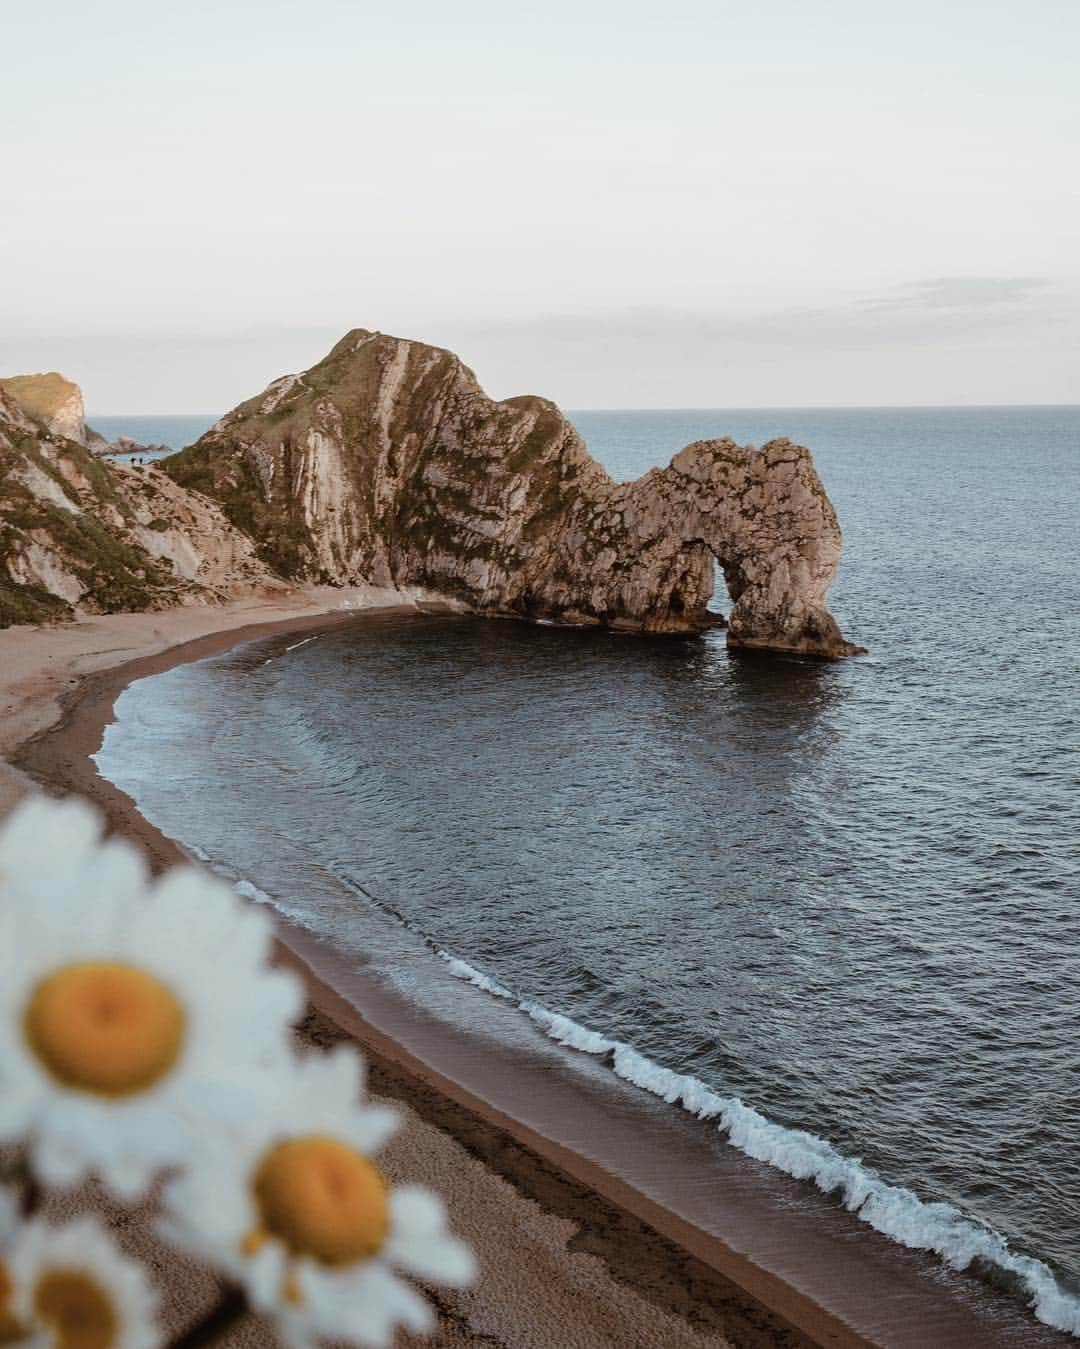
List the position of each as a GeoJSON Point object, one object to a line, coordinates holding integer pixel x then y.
{"type": "Point", "coordinates": [172, 432]}
{"type": "Point", "coordinates": [830, 908]}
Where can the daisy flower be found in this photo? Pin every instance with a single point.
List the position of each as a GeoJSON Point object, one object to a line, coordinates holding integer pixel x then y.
{"type": "Point", "coordinates": [71, 1288]}
{"type": "Point", "coordinates": [45, 842]}
{"type": "Point", "coordinates": [131, 1015]}
{"type": "Point", "coordinates": [301, 1217]}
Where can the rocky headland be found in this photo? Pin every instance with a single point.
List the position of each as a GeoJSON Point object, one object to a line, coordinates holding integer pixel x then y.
{"type": "Point", "coordinates": [53, 400]}
{"type": "Point", "coordinates": [57, 403]}
{"type": "Point", "coordinates": [386, 463]}
{"type": "Point", "coordinates": [81, 535]}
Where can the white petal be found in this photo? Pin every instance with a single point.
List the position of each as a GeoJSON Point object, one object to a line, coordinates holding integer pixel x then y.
{"type": "Point", "coordinates": [416, 1209]}
{"type": "Point", "coordinates": [16, 1110]}
{"type": "Point", "coordinates": [86, 1245]}
{"type": "Point", "coordinates": [444, 1259]}
{"type": "Point", "coordinates": [373, 1127]}
{"type": "Point", "coordinates": [66, 897]}
{"type": "Point", "coordinates": [419, 1242]}
{"type": "Point", "coordinates": [127, 1177]}
{"type": "Point", "coordinates": [366, 1306]}
{"type": "Point", "coordinates": [264, 1275]}
{"type": "Point", "coordinates": [58, 1163]}
{"type": "Point", "coordinates": [42, 834]}
{"type": "Point", "coordinates": [9, 1215]}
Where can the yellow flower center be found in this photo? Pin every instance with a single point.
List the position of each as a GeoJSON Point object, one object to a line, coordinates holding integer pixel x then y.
{"type": "Point", "coordinates": [104, 1027]}
{"type": "Point", "coordinates": [78, 1310]}
{"type": "Point", "coordinates": [10, 1330]}
{"type": "Point", "coordinates": [322, 1199]}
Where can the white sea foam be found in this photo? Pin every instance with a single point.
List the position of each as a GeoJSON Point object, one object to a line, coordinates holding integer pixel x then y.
{"type": "Point", "coordinates": [295, 647]}
{"type": "Point", "coordinates": [568, 1032]}
{"type": "Point", "coordinates": [460, 970]}
{"type": "Point", "coordinates": [245, 888]}
{"type": "Point", "coordinates": [249, 891]}
{"type": "Point", "coordinates": [893, 1210]}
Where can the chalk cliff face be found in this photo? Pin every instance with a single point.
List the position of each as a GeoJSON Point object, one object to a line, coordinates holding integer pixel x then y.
{"type": "Point", "coordinates": [57, 404]}
{"type": "Point", "coordinates": [78, 535]}
{"type": "Point", "coordinates": [387, 463]}
{"type": "Point", "coordinates": [52, 399]}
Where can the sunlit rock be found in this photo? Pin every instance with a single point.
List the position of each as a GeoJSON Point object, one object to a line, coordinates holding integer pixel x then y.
{"type": "Point", "coordinates": [386, 462]}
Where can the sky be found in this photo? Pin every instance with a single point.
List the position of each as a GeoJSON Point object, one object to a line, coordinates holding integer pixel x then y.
{"type": "Point", "coordinates": [690, 204]}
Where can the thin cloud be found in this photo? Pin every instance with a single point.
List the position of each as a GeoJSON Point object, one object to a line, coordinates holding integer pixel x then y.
{"type": "Point", "coordinates": [961, 293]}
{"type": "Point", "coordinates": [944, 308]}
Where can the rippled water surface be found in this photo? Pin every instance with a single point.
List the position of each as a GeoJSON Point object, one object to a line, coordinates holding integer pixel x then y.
{"type": "Point", "coordinates": [846, 893]}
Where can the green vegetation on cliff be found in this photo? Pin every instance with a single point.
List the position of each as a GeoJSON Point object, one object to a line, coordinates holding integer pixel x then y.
{"type": "Point", "coordinates": [387, 462]}
{"type": "Point", "coordinates": [112, 573]}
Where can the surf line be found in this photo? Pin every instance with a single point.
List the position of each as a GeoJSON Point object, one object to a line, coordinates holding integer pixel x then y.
{"type": "Point", "coordinates": [894, 1211]}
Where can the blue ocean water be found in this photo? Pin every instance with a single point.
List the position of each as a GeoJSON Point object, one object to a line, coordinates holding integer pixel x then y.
{"type": "Point", "coordinates": [175, 431]}
{"type": "Point", "coordinates": [844, 894]}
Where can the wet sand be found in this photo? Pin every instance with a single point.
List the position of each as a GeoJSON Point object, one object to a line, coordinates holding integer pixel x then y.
{"type": "Point", "coordinates": [595, 1226]}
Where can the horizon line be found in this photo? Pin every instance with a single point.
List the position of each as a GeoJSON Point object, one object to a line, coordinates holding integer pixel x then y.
{"type": "Point", "coordinates": [704, 407]}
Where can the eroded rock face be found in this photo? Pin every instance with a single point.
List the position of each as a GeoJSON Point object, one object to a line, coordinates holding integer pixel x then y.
{"type": "Point", "coordinates": [57, 403]}
{"type": "Point", "coordinates": [387, 463]}
{"type": "Point", "coordinates": [52, 399]}
{"type": "Point", "coordinates": [78, 535]}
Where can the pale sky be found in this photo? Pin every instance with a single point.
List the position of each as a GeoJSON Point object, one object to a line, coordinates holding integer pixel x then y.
{"type": "Point", "coordinates": [622, 204]}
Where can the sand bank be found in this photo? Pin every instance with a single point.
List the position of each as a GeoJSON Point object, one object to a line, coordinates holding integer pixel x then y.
{"type": "Point", "coordinates": [595, 1226]}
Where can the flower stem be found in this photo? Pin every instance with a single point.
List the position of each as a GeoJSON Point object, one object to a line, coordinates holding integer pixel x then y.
{"type": "Point", "coordinates": [17, 1173]}
{"type": "Point", "coordinates": [218, 1320]}
{"type": "Point", "coordinates": [31, 1197]}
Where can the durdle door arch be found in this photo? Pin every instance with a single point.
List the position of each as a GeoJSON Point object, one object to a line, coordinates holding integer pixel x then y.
{"type": "Point", "coordinates": [387, 462]}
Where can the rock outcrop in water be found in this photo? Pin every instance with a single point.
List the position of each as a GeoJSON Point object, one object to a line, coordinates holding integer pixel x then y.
{"type": "Point", "coordinates": [79, 535]}
{"type": "Point", "coordinates": [387, 463]}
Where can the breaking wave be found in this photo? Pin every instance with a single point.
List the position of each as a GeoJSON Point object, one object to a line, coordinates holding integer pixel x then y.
{"type": "Point", "coordinates": [894, 1211]}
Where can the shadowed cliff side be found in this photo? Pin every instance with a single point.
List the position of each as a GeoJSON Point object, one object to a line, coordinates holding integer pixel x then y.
{"type": "Point", "coordinates": [386, 462]}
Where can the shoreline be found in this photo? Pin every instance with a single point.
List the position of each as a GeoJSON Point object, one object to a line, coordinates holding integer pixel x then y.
{"type": "Point", "coordinates": [673, 1256]}
{"type": "Point", "coordinates": [67, 721]}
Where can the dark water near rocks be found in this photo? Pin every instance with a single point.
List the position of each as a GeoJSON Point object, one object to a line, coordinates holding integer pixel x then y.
{"type": "Point", "coordinates": [846, 894]}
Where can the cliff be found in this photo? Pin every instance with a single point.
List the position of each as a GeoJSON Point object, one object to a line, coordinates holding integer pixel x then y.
{"type": "Point", "coordinates": [81, 535]}
{"type": "Point", "coordinates": [57, 403]}
{"type": "Point", "coordinates": [386, 462]}
{"type": "Point", "coordinates": [52, 399]}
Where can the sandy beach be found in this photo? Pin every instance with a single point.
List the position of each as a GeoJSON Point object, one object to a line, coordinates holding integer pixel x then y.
{"type": "Point", "coordinates": [543, 1284]}
{"type": "Point", "coordinates": [573, 1252]}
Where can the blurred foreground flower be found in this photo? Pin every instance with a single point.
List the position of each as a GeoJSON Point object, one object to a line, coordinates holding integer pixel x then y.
{"type": "Point", "coordinates": [131, 1014]}
{"type": "Point", "coordinates": [70, 1288]}
{"type": "Point", "coordinates": [300, 1216]}
{"type": "Point", "coordinates": [141, 1030]}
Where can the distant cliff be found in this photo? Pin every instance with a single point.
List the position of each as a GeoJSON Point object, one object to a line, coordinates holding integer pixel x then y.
{"type": "Point", "coordinates": [53, 400]}
{"type": "Point", "coordinates": [386, 462]}
{"type": "Point", "coordinates": [57, 403]}
{"type": "Point", "coordinates": [78, 534]}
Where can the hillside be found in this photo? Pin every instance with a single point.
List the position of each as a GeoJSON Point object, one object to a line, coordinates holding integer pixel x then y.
{"type": "Point", "coordinates": [78, 534]}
